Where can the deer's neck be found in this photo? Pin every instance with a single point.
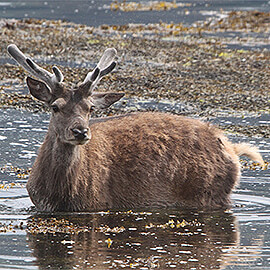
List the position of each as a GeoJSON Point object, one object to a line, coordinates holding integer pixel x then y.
{"type": "Point", "coordinates": [64, 162]}
{"type": "Point", "coordinates": [56, 178]}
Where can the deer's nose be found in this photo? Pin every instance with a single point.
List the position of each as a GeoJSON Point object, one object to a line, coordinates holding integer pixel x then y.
{"type": "Point", "coordinates": [80, 133]}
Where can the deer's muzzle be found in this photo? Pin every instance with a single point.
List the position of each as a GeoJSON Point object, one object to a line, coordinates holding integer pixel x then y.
{"type": "Point", "coordinates": [80, 134]}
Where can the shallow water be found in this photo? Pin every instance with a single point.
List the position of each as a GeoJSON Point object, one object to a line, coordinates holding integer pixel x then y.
{"type": "Point", "coordinates": [95, 12]}
{"type": "Point", "coordinates": [132, 238]}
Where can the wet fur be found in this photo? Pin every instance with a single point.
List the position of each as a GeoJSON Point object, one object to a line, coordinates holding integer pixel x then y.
{"type": "Point", "coordinates": [141, 160]}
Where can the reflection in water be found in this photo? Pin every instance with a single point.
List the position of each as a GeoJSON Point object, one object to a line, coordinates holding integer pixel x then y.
{"type": "Point", "coordinates": [204, 241]}
{"type": "Point", "coordinates": [138, 240]}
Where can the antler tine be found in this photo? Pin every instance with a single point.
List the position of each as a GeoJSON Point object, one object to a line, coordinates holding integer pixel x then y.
{"type": "Point", "coordinates": [106, 64]}
{"type": "Point", "coordinates": [49, 78]}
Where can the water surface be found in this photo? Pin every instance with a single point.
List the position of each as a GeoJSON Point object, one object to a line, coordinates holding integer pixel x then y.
{"type": "Point", "coordinates": [95, 13]}
{"type": "Point", "coordinates": [129, 238]}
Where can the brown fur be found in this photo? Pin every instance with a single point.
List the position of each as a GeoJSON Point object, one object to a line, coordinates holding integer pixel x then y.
{"type": "Point", "coordinates": [141, 160]}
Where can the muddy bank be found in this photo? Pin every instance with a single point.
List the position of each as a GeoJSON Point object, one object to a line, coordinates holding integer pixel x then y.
{"type": "Point", "coordinates": [190, 65]}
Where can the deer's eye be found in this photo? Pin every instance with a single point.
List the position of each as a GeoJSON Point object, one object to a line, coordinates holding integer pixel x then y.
{"type": "Point", "coordinates": [55, 108]}
{"type": "Point", "coordinates": [92, 108]}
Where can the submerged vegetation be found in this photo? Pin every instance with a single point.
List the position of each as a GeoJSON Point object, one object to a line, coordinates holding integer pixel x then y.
{"type": "Point", "coordinates": [145, 6]}
{"type": "Point", "coordinates": [160, 61]}
{"type": "Point", "coordinates": [128, 239]}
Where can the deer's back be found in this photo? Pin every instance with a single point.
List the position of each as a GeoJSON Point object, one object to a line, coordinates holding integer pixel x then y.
{"type": "Point", "coordinates": [160, 159]}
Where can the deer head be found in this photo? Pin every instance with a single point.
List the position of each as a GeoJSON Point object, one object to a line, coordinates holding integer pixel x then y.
{"type": "Point", "coordinates": [71, 108]}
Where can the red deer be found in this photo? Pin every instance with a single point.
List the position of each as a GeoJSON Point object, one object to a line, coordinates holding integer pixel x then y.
{"type": "Point", "coordinates": [139, 160]}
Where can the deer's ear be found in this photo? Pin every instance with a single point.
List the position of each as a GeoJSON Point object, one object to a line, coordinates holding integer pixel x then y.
{"type": "Point", "coordinates": [39, 89]}
{"type": "Point", "coordinates": [105, 100]}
